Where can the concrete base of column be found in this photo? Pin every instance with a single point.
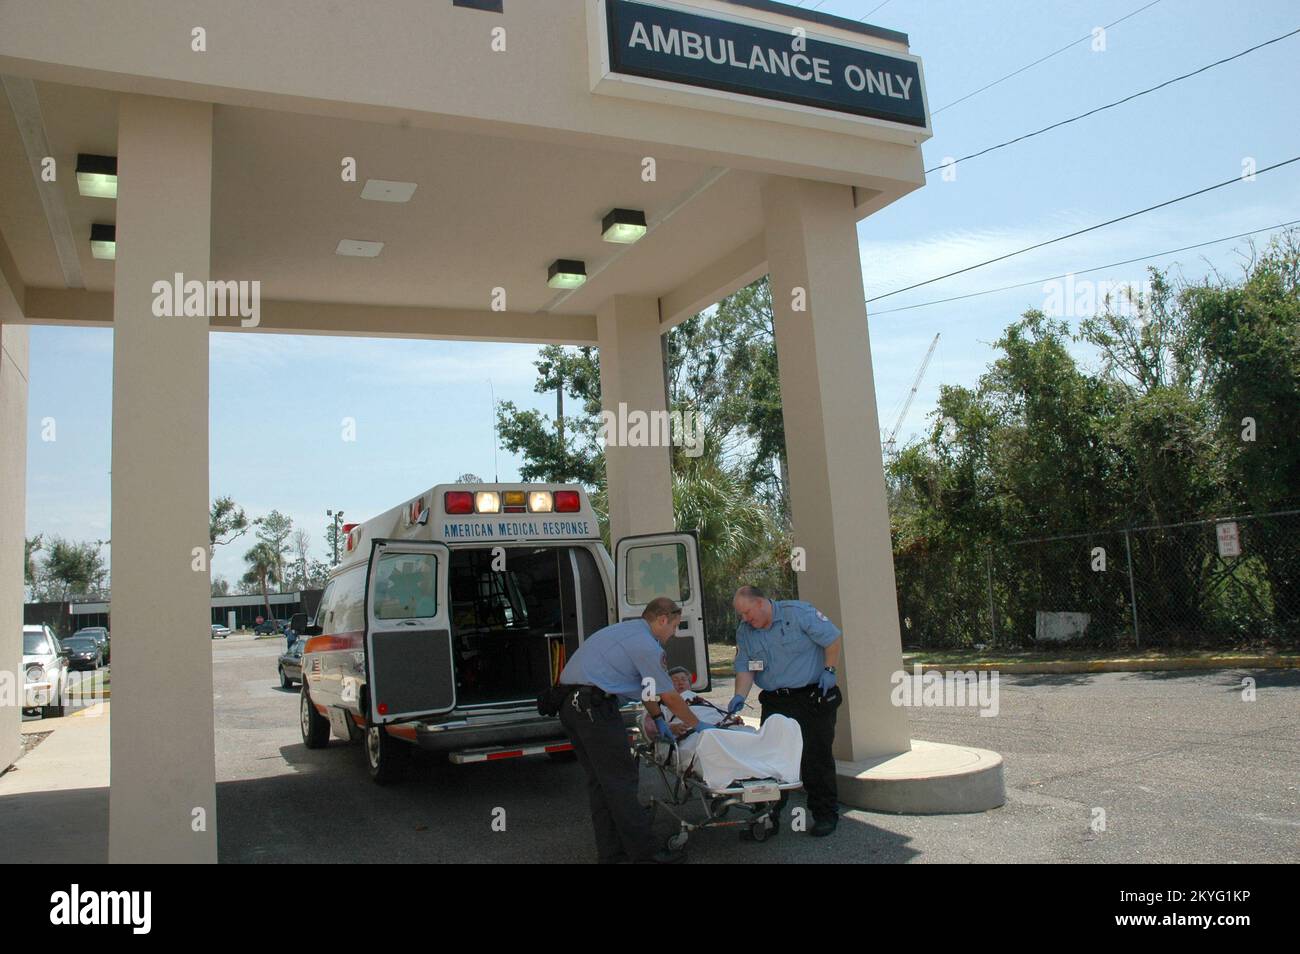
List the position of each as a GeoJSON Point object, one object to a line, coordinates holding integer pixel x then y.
{"type": "Point", "coordinates": [932, 779]}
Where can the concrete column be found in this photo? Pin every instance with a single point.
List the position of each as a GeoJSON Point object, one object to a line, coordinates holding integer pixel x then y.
{"type": "Point", "coordinates": [13, 522]}
{"type": "Point", "coordinates": [639, 479]}
{"type": "Point", "coordinates": [832, 436]}
{"type": "Point", "coordinates": [162, 800]}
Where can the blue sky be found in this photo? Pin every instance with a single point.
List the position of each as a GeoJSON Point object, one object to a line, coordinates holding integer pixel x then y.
{"type": "Point", "coordinates": [423, 408]}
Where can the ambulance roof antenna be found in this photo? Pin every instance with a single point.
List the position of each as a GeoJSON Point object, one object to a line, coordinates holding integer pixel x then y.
{"type": "Point", "coordinates": [907, 404]}
{"type": "Point", "coordinates": [496, 472]}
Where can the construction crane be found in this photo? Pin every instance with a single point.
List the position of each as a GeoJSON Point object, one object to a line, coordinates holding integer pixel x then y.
{"type": "Point", "coordinates": [907, 404]}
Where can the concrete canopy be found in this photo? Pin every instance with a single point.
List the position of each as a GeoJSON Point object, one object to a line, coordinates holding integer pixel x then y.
{"type": "Point", "coordinates": [512, 149]}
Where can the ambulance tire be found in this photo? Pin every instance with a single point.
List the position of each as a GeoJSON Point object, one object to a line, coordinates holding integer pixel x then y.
{"type": "Point", "coordinates": [386, 757]}
{"type": "Point", "coordinates": [315, 727]}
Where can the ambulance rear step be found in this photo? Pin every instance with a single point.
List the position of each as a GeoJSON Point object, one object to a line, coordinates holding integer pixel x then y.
{"type": "Point", "coordinates": [495, 753]}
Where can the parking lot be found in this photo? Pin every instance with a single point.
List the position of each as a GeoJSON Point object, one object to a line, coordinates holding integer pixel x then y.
{"type": "Point", "coordinates": [1183, 768]}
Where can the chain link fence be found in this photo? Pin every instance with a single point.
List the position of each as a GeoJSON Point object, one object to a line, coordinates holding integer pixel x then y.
{"type": "Point", "coordinates": [1215, 583]}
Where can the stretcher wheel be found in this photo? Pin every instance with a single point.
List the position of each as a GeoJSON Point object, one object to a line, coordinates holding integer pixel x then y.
{"type": "Point", "coordinates": [719, 806]}
{"type": "Point", "coordinates": [758, 830]}
{"type": "Point", "coordinates": [676, 841]}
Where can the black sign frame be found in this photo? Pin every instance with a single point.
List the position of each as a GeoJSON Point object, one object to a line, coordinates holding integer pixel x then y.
{"type": "Point", "coordinates": [704, 73]}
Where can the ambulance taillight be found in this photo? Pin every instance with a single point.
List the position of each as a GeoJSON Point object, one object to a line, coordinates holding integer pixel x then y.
{"type": "Point", "coordinates": [566, 501]}
{"type": "Point", "coordinates": [458, 501]}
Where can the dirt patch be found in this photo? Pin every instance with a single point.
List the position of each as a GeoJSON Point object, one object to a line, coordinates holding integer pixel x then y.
{"type": "Point", "coordinates": [33, 739]}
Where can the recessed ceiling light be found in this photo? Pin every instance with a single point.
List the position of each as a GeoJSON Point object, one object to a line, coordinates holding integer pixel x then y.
{"type": "Point", "coordinates": [103, 241]}
{"type": "Point", "coordinates": [623, 226]}
{"type": "Point", "coordinates": [566, 273]}
{"type": "Point", "coordinates": [381, 190]}
{"type": "Point", "coordinates": [359, 249]}
{"type": "Point", "coordinates": [97, 176]}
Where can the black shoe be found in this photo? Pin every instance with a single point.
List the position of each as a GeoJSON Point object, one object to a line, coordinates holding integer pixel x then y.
{"type": "Point", "coordinates": [824, 827]}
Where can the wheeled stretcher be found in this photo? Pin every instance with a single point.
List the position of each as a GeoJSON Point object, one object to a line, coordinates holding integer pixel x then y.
{"type": "Point", "coordinates": [713, 772]}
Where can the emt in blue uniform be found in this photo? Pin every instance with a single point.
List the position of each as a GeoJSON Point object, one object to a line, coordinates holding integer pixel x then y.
{"type": "Point", "coordinates": [622, 662]}
{"type": "Point", "coordinates": [792, 650]}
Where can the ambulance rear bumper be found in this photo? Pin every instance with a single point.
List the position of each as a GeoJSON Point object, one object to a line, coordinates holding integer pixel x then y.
{"type": "Point", "coordinates": [470, 733]}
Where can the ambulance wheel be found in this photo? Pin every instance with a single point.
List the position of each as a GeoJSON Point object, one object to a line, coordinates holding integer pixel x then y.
{"type": "Point", "coordinates": [386, 757]}
{"type": "Point", "coordinates": [676, 841]}
{"type": "Point", "coordinates": [315, 727]}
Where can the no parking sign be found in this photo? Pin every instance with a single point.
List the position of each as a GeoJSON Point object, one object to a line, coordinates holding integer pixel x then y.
{"type": "Point", "coordinates": [1229, 539]}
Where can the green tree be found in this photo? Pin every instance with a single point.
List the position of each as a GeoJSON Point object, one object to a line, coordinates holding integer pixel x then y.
{"type": "Point", "coordinates": [274, 530]}
{"type": "Point", "coordinates": [564, 449]}
{"type": "Point", "coordinates": [263, 570]}
{"type": "Point", "coordinates": [226, 522]}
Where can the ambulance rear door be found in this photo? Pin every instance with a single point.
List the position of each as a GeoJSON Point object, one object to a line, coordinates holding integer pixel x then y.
{"type": "Point", "coordinates": [410, 668]}
{"type": "Point", "coordinates": [666, 564]}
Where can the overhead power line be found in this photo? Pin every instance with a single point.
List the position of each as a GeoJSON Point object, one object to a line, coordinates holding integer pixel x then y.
{"type": "Point", "coordinates": [1042, 59]}
{"type": "Point", "coordinates": [1085, 271]}
{"type": "Point", "coordinates": [1090, 228]}
{"type": "Point", "coordinates": [1118, 102]}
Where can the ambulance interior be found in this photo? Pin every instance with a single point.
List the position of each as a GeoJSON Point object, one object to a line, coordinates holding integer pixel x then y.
{"type": "Point", "coordinates": [513, 627]}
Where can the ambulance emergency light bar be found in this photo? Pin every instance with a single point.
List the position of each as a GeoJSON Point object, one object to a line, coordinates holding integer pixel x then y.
{"type": "Point", "coordinates": [511, 501]}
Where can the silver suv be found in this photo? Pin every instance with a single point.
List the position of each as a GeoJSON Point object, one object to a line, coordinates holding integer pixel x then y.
{"type": "Point", "coordinates": [45, 665]}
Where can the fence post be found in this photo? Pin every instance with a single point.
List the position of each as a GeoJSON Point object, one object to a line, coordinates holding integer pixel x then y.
{"type": "Point", "coordinates": [993, 620]}
{"type": "Point", "coordinates": [1132, 592]}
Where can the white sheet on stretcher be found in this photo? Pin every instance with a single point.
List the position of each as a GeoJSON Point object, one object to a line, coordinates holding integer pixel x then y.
{"type": "Point", "coordinates": [723, 756]}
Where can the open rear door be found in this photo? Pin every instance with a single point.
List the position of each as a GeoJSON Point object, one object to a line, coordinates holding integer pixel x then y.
{"type": "Point", "coordinates": [666, 564]}
{"type": "Point", "coordinates": [409, 664]}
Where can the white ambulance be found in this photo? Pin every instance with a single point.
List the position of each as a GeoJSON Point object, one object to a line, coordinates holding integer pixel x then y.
{"type": "Point", "coordinates": [449, 614]}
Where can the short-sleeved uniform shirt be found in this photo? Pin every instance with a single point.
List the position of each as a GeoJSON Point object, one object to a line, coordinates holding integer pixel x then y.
{"type": "Point", "coordinates": [791, 651]}
{"type": "Point", "coordinates": [617, 658]}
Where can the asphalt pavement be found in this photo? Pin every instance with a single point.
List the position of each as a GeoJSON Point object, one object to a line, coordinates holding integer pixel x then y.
{"type": "Point", "coordinates": [1178, 766]}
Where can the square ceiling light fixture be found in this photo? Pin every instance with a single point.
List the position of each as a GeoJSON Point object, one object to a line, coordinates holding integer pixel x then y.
{"type": "Point", "coordinates": [359, 249]}
{"type": "Point", "coordinates": [97, 176]}
{"type": "Point", "coordinates": [103, 241]}
{"type": "Point", "coordinates": [623, 226]}
{"type": "Point", "coordinates": [566, 273]}
{"type": "Point", "coordinates": [381, 190]}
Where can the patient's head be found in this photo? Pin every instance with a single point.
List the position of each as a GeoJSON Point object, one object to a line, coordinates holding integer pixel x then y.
{"type": "Point", "coordinates": [681, 677]}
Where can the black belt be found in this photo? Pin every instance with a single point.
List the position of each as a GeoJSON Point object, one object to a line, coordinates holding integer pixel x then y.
{"type": "Point", "coordinates": [794, 692]}
{"type": "Point", "coordinates": [594, 694]}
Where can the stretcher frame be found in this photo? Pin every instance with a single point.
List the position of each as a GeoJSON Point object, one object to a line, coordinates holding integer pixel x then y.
{"type": "Point", "coordinates": [682, 788]}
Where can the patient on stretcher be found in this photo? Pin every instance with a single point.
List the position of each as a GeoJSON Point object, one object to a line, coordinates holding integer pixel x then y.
{"type": "Point", "coordinates": [735, 751]}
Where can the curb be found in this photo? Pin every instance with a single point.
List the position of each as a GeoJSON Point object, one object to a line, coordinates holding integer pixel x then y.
{"type": "Point", "coordinates": [1122, 665]}
{"type": "Point", "coordinates": [1098, 665]}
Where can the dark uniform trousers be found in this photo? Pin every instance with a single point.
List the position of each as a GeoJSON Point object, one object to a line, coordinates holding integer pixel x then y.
{"type": "Point", "coordinates": [622, 825]}
{"type": "Point", "coordinates": [816, 718]}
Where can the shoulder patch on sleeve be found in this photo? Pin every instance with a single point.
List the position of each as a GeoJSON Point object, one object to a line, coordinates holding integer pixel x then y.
{"type": "Point", "coordinates": [822, 616]}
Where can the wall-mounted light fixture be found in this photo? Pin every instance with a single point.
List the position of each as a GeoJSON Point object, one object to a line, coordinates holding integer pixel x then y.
{"type": "Point", "coordinates": [97, 176]}
{"type": "Point", "coordinates": [566, 273]}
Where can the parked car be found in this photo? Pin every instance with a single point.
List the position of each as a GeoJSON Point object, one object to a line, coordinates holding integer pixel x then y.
{"type": "Point", "coordinates": [84, 652]}
{"type": "Point", "coordinates": [45, 666]}
{"type": "Point", "coordinates": [270, 627]}
{"type": "Point", "coordinates": [101, 636]}
{"type": "Point", "coordinates": [219, 631]}
{"type": "Point", "coordinates": [290, 665]}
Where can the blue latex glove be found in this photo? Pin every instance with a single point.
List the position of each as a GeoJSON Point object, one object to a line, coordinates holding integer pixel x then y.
{"type": "Point", "coordinates": [826, 682]}
{"type": "Point", "coordinates": [702, 726]}
{"type": "Point", "coordinates": [736, 704]}
{"type": "Point", "coordinates": [665, 733]}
